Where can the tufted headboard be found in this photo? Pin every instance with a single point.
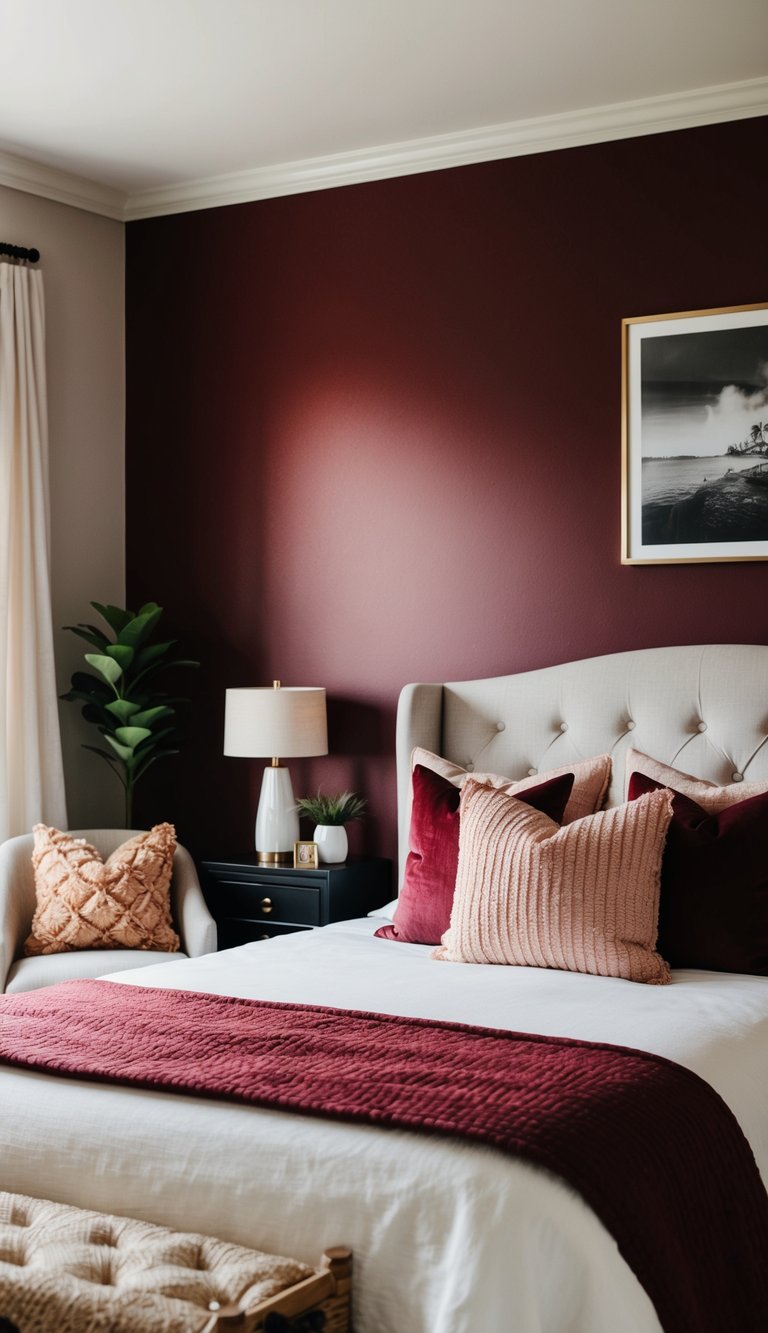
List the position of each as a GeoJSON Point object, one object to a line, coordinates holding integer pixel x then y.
{"type": "Point", "coordinates": [703, 709]}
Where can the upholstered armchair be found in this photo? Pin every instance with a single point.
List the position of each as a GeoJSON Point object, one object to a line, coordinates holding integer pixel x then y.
{"type": "Point", "coordinates": [192, 920]}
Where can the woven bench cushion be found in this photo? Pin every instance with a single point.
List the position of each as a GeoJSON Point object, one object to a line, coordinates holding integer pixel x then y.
{"type": "Point", "coordinates": [85, 1272]}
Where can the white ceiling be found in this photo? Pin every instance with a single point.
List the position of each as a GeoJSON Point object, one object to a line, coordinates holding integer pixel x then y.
{"type": "Point", "coordinates": [167, 104]}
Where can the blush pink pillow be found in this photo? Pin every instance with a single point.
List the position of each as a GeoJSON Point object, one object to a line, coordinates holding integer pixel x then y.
{"type": "Point", "coordinates": [590, 780]}
{"type": "Point", "coordinates": [424, 907]}
{"type": "Point", "coordinates": [84, 902]}
{"type": "Point", "coordinates": [706, 794]}
{"type": "Point", "coordinates": [582, 898]}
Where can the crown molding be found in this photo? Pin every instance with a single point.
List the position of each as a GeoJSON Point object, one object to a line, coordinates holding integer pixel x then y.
{"type": "Point", "coordinates": [621, 120]}
{"type": "Point", "coordinates": [18, 173]}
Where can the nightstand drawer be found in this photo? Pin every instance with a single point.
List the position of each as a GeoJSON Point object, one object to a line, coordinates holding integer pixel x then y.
{"type": "Point", "coordinates": [233, 931]}
{"type": "Point", "coordinates": [268, 902]}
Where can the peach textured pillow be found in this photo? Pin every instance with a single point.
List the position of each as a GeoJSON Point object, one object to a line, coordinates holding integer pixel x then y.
{"type": "Point", "coordinates": [84, 902]}
{"type": "Point", "coordinates": [590, 780]}
{"type": "Point", "coordinates": [706, 794]}
{"type": "Point", "coordinates": [581, 898]}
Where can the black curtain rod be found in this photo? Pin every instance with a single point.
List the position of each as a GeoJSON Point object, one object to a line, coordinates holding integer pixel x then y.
{"type": "Point", "coordinates": [18, 252]}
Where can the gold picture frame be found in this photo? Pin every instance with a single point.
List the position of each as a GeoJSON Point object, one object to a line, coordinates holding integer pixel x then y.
{"type": "Point", "coordinates": [694, 469]}
{"type": "Point", "coordinates": [305, 856]}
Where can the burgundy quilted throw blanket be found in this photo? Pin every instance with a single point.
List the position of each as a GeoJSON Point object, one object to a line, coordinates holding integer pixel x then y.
{"type": "Point", "coordinates": [652, 1148]}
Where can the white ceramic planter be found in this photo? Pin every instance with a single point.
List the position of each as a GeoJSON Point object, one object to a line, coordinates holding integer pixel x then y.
{"type": "Point", "coordinates": [332, 843]}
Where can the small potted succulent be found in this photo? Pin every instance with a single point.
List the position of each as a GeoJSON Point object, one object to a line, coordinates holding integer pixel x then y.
{"type": "Point", "coordinates": [330, 814]}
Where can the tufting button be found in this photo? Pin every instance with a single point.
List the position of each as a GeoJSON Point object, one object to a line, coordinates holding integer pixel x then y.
{"type": "Point", "coordinates": [737, 777]}
{"type": "Point", "coordinates": [101, 1235]}
{"type": "Point", "coordinates": [630, 725]}
{"type": "Point", "coordinates": [702, 726]}
{"type": "Point", "coordinates": [563, 726]}
{"type": "Point", "coordinates": [532, 772]}
{"type": "Point", "coordinates": [501, 726]}
{"type": "Point", "coordinates": [469, 765]}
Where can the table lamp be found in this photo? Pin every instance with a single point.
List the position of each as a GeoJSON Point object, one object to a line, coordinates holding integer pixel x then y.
{"type": "Point", "coordinates": [289, 722]}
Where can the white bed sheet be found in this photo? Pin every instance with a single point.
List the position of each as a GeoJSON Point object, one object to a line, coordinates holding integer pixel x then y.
{"type": "Point", "coordinates": [448, 1237]}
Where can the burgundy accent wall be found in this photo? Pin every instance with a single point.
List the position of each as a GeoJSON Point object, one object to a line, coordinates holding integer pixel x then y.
{"type": "Point", "coordinates": [374, 437]}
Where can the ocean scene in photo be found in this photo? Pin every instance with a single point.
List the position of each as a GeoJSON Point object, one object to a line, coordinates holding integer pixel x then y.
{"type": "Point", "coordinates": [667, 480]}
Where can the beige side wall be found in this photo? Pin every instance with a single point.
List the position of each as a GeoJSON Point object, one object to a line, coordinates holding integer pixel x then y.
{"type": "Point", "coordinates": [84, 272]}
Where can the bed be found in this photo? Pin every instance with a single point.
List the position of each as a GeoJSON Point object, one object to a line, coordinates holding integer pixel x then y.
{"type": "Point", "coordinates": [447, 1236]}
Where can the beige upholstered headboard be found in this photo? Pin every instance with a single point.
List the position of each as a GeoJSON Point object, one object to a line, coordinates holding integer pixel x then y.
{"type": "Point", "coordinates": [703, 709]}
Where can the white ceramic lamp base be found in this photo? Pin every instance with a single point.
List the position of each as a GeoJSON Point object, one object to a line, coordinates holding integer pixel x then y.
{"type": "Point", "coordinates": [277, 819]}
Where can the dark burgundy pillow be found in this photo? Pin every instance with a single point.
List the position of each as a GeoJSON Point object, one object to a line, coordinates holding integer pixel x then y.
{"type": "Point", "coordinates": [714, 884]}
{"type": "Point", "coordinates": [424, 907]}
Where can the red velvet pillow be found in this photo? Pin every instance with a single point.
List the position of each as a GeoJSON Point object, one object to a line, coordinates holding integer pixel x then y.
{"type": "Point", "coordinates": [424, 907]}
{"type": "Point", "coordinates": [713, 912]}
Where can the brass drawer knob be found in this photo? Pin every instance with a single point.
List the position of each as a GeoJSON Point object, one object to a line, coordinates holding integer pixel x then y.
{"type": "Point", "coordinates": [266, 906]}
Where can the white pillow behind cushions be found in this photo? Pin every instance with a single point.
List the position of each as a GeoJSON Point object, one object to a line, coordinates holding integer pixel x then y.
{"type": "Point", "coordinates": [581, 898]}
{"type": "Point", "coordinates": [590, 780]}
{"type": "Point", "coordinates": [706, 794]}
{"type": "Point", "coordinates": [387, 912]}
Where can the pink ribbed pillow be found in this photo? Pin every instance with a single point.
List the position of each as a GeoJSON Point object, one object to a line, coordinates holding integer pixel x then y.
{"type": "Point", "coordinates": [582, 898]}
{"type": "Point", "coordinates": [590, 780]}
{"type": "Point", "coordinates": [706, 794]}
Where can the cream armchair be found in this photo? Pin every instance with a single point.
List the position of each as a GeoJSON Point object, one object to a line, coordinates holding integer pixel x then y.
{"type": "Point", "coordinates": [192, 920]}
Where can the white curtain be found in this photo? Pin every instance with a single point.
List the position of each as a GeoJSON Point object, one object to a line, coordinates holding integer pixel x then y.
{"type": "Point", "coordinates": [31, 772]}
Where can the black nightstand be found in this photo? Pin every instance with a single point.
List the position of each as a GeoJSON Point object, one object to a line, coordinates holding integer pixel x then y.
{"type": "Point", "coordinates": [253, 902]}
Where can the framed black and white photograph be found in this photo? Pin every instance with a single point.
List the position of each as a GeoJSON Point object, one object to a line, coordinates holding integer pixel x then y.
{"type": "Point", "coordinates": [695, 436]}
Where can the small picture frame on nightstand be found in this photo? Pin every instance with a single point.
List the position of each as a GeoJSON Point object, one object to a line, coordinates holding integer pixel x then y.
{"type": "Point", "coordinates": [305, 856]}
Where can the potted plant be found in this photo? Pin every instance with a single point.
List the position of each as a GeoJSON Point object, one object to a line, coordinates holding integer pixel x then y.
{"type": "Point", "coordinates": [330, 814]}
{"type": "Point", "coordinates": [120, 695]}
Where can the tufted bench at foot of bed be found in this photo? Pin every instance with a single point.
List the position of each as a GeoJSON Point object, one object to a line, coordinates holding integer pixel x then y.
{"type": "Point", "coordinates": [68, 1270]}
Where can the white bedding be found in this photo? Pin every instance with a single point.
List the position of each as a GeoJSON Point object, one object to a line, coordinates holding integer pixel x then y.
{"type": "Point", "coordinates": [448, 1237]}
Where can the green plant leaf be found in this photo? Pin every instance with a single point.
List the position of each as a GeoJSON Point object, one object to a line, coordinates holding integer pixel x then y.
{"type": "Point", "coordinates": [132, 736]}
{"type": "Point", "coordinates": [174, 662]}
{"type": "Point", "coordinates": [150, 715]}
{"type": "Point", "coordinates": [123, 752]}
{"type": "Point", "coordinates": [95, 713]}
{"type": "Point", "coordinates": [154, 740]}
{"type": "Point", "coordinates": [106, 667]}
{"type": "Point", "coordinates": [151, 653]}
{"type": "Point", "coordinates": [104, 753]}
{"type": "Point", "coordinates": [121, 654]}
{"type": "Point", "coordinates": [332, 810]}
{"type": "Point", "coordinates": [115, 616]}
{"type": "Point", "coordinates": [92, 685]}
{"type": "Point", "coordinates": [151, 672]}
{"type": "Point", "coordinates": [123, 710]}
{"type": "Point", "coordinates": [138, 629]}
{"type": "Point", "coordinates": [142, 766]}
{"type": "Point", "coordinates": [72, 695]}
{"type": "Point", "coordinates": [90, 633]}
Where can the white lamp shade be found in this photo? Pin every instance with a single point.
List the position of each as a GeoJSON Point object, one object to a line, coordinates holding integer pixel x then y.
{"type": "Point", "coordinates": [287, 723]}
